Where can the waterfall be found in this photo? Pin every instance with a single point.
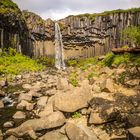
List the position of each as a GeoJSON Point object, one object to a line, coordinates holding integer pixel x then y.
{"type": "Point", "coordinates": [59, 52]}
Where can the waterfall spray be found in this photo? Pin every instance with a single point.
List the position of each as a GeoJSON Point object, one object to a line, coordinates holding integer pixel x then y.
{"type": "Point", "coordinates": [59, 51]}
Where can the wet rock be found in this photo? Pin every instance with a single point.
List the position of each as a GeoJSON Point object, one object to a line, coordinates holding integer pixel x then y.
{"type": "Point", "coordinates": [8, 124]}
{"type": "Point", "coordinates": [72, 101]}
{"type": "Point", "coordinates": [79, 132]}
{"type": "Point", "coordinates": [53, 136]}
{"type": "Point", "coordinates": [19, 115]}
{"type": "Point", "coordinates": [42, 101]}
{"type": "Point", "coordinates": [134, 133]}
{"type": "Point", "coordinates": [1, 104]}
{"type": "Point", "coordinates": [24, 104]}
{"type": "Point", "coordinates": [55, 119]}
{"type": "Point", "coordinates": [26, 97]}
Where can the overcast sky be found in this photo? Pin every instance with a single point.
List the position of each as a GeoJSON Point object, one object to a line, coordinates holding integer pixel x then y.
{"type": "Point", "coordinates": [57, 9]}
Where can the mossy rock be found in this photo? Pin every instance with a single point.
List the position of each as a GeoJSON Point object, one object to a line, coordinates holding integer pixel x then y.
{"type": "Point", "coordinates": [7, 6]}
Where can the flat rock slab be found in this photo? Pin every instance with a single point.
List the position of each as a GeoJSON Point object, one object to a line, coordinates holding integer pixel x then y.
{"type": "Point", "coordinates": [73, 101]}
{"type": "Point", "coordinates": [54, 120]}
{"type": "Point", "coordinates": [134, 133]}
{"type": "Point", "coordinates": [79, 132]}
{"type": "Point", "coordinates": [54, 136]}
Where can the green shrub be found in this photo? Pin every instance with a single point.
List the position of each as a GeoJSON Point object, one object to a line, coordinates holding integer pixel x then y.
{"type": "Point", "coordinates": [132, 35]}
{"type": "Point", "coordinates": [73, 81]}
{"type": "Point", "coordinates": [76, 115]}
{"type": "Point", "coordinates": [91, 75]}
{"type": "Point", "coordinates": [108, 60]}
{"type": "Point", "coordinates": [83, 64]}
{"type": "Point", "coordinates": [50, 62]}
{"type": "Point", "coordinates": [125, 47]}
{"type": "Point", "coordinates": [72, 63]}
{"type": "Point", "coordinates": [15, 63]}
{"type": "Point", "coordinates": [118, 59]}
{"type": "Point", "coordinates": [8, 4]}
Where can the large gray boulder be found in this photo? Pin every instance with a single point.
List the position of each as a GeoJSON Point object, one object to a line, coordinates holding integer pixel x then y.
{"type": "Point", "coordinates": [79, 132]}
{"type": "Point", "coordinates": [55, 119]}
{"type": "Point", "coordinates": [134, 133]}
{"type": "Point", "coordinates": [73, 101]}
{"type": "Point", "coordinates": [54, 135]}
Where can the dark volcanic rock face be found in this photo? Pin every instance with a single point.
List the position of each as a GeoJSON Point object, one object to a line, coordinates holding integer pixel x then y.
{"type": "Point", "coordinates": [12, 25]}
{"type": "Point", "coordinates": [84, 35]}
{"type": "Point", "coordinates": [96, 34]}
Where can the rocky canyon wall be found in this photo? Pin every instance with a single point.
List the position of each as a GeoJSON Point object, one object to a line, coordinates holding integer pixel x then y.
{"type": "Point", "coordinates": [96, 34]}
{"type": "Point", "coordinates": [84, 35]}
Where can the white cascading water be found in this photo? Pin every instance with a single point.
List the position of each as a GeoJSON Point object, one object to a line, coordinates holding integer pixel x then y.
{"type": "Point", "coordinates": [59, 52]}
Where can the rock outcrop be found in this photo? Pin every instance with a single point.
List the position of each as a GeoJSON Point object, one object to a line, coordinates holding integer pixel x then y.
{"type": "Point", "coordinates": [89, 35]}
{"type": "Point", "coordinates": [12, 26]}
{"type": "Point", "coordinates": [84, 35]}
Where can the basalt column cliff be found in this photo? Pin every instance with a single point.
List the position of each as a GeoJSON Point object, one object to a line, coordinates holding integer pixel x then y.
{"type": "Point", "coordinates": [96, 34]}
{"type": "Point", "coordinates": [84, 35]}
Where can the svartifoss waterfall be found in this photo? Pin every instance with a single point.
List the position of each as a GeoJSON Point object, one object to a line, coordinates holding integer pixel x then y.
{"type": "Point", "coordinates": [59, 52]}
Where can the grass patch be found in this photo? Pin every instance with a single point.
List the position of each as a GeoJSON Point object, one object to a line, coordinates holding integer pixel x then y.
{"type": "Point", "coordinates": [15, 63]}
{"type": "Point", "coordinates": [91, 75]}
{"type": "Point", "coordinates": [73, 79]}
{"type": "Point", "coordinates": [49, 62]}
{"type": "Point", "coordinates": [83, 64]}
{"type": "Point", "coordinates": [76, 115]}
{"type": "Point", "coordinates": [92, 17]}
{"type": "Point", "coordinates": [8, 4]}
{"type": "Point", "coordinates": [117, 59]}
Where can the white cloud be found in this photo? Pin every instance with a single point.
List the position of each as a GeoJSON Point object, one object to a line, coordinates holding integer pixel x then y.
{"type": "Point", "coordinates": [57, 9]}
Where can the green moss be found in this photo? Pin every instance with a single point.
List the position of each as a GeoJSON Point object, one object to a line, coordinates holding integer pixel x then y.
{"type": "Point", "coordinates": [126, 58]}
{"type": "Point", "coordinates": [91, 75]}
{"type": "Point", "coordinates": [73, 79]}
{"type": "Point", "coordinates": [30, 15]}
{"type": "Point", "coordinates": [8, 4]}
{"type": "Point", "coordinates": [45, 61]}
{"type": "Point", "coordinates": [15, 63]}
{"type": "Point", "coordinates": [82, 63]}
{"type": "Point", "coordinates": [76, 115]}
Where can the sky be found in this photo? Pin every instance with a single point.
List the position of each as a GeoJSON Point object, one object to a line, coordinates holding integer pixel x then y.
{"type": "Point", "coordinates": [58, 9]}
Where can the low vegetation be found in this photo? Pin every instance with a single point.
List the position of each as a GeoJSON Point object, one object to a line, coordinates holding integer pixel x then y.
{"type": "Point", "coordinates": [82, 63]}
{"type": "Point", "coordinates": [76, 115]}
{"type": "Point", "coordinates": [8, 4]}
{"type": "Point", "coordinates": [132, 36]}
{"type": "Point", "coordinates": [92, 17]}
{"type": "Point", "coordinates": [15, 63]}
{"type": "Point", "coordinates": [45, 61]}
{"type": "Point", "coordinates": [73, 79]}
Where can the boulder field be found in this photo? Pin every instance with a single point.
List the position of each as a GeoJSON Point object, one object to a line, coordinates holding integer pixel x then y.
{"type": "Point", "coordinates": [46, 106]}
